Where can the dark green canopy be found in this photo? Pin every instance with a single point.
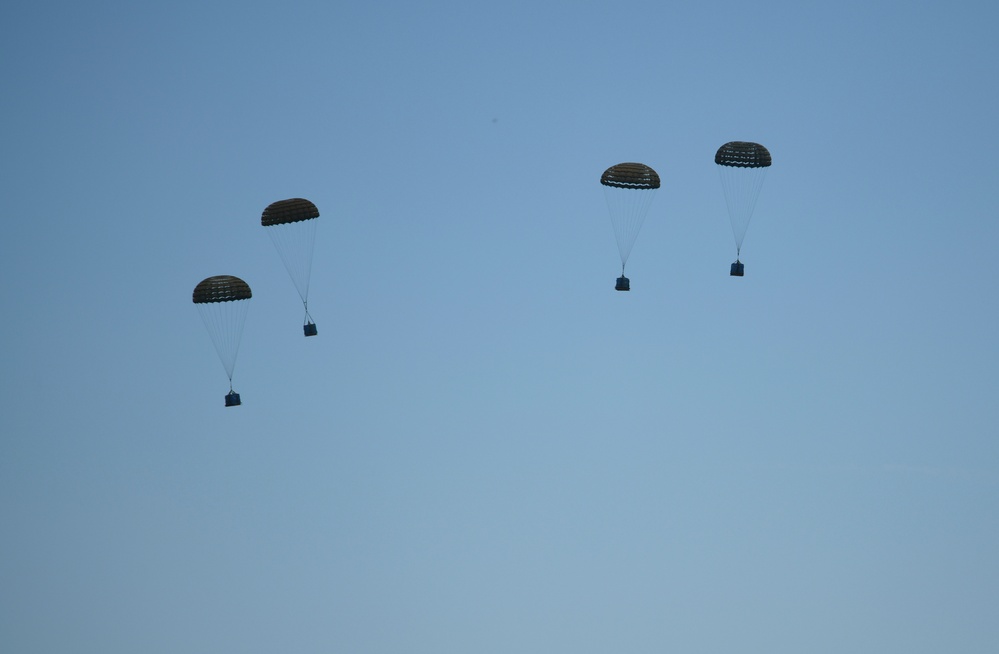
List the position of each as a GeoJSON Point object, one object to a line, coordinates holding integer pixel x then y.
{"type": "Point", "coordinates": [630, 175]}
{"type": "Point", "coordinates": [221, 288]}
{"type": "Point", "coordinates": [288, 211]}
{"type": "Point", "coordinates": [742, 154]}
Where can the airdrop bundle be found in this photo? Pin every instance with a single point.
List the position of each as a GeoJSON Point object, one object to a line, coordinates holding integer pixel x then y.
{"type": "Point", "coordinates": [630, 187]}
{"type": "Point", "coordinates": [222, 300]}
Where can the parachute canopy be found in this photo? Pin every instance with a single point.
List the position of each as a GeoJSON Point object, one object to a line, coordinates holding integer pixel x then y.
{"type": "Point", "coordinates": [742, 167]}
{"type": "Point", "coordinates": [628, 189]}
{"type": "Point", "coordinates": [743, 154]}
{"type": "Point", "coordinates": [630, 175]}
{"type": "Point", "coordinates": [291, 225]}
{"type": "Point", "coordinates": [221, 288]}
{"type": "Point", "coordinates": [288, 211]}
{"type": "Point", "coordinates": [222, 302]}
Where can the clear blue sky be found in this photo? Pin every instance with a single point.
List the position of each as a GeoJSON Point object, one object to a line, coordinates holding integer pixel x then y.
{"type": "Point", "coordinates": [487, 449]}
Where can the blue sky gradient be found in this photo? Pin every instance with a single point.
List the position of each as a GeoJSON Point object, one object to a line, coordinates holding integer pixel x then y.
{"type": "Point", "coordinates": [487, 449]}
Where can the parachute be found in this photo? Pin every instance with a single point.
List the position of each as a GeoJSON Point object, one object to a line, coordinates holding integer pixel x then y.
{"type": "Point", "coordinates": [222, 302]}
{"type": "Point", "coordinates": [291, 225]}
{"type": "Point", "coordinates": [742, 167]}
{"type": "Point", "coordinates": [629, 189]}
